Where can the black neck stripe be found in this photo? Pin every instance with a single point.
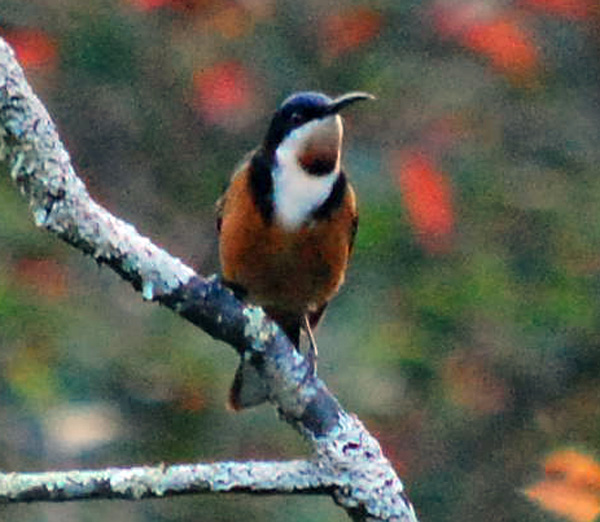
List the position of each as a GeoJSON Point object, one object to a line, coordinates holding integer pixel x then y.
{"type": "Point", "coordinates": [261, 187]}
{"type": "Point", "coordinates": [261, 184]}
{"type": "Point", "coordinates": [334, 200]}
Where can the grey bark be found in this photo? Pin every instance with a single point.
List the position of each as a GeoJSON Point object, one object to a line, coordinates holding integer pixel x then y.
{"type": "Point", "coordinates": [348, 462]}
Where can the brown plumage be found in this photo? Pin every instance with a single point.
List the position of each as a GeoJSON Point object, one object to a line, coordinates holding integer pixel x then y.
{"type": "Point", "coordinates": [287, 224]}
{"type": "Point", "coordinates": [287, 273]}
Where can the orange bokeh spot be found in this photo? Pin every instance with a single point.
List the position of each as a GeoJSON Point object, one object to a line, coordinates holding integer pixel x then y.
{"type": "Point", "coordinates": [571, 487]}
{"type": "Point", "coordinates": [572, 503]}
{"type": "Point", "coordinates": [348, 30]}
{"type": "Point", "coordinates": [149, 5]}
{"type": "Point", "coordinates": [178, 5]}
{"type": "Point", "coordinates": [46, 277]}
{"type": "Point", "coordinates": [34, 48]}
{"type": "Point", "coordinates": [574, 467]}
{"type": "Point", "coordinates": [508, 46]}
{"type": "Point", "coordinates": [223, 93]}
{"type": "Point", "coordinates": [428, 198]}
{"type": "Point", "coordinates": [500, 37]}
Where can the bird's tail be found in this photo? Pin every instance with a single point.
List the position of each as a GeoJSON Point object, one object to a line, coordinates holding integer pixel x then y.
{"type": "Point", "coordinates": [249, 388]}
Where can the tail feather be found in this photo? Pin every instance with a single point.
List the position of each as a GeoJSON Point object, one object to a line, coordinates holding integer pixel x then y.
{"type": "Point", "coordinates": [248, 388]}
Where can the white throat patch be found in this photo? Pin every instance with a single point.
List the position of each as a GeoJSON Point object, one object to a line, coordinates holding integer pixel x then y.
{"type": "Point", "coordinates": [297, 193]}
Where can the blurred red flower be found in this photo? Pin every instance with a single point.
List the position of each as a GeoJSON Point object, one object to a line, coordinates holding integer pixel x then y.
{"type": "Point", "coordinates": [149, 5]}
{"type": "Point", "coordinates": [507, 45]}
{"type": "Point", "coordinates": [224, 94]}
{"type": "Point", "coordinates": [345, 31]}
{"type": "Point", "coordinates": [571, 487]}
{"type": "Point", "coordinates": [569, 9]}
{"type": "Point", "coordinates": [34, 48]}
{"type": "Point", "coordinates": [46, 277]}
{"type": "Point", "coordinates": [499, 36]}
{"type": "Point", "coordinates": [178, 5]}
{"type": "Point", "coordinates": [428, 199]}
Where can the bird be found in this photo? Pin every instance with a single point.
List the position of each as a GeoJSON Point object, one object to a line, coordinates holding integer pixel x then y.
{"type": "Point", "coordinates": [287, 223]}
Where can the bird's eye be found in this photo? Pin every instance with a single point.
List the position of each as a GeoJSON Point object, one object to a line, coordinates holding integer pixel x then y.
{"type": "Point", "coordinates": [296, 118]}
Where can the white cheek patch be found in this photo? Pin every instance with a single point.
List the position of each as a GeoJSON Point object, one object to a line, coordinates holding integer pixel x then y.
{"type": "Point", "coordinates": [296, 194]}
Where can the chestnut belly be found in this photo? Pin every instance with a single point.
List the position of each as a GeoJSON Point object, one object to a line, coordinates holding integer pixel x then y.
{"type": "Point", "coordinates": [295, 272]}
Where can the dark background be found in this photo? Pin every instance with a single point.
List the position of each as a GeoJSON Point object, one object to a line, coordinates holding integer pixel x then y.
{"type": "Point", "coordinates": [467, 335]}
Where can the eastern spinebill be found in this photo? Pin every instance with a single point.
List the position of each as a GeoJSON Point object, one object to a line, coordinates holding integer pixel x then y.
{"type": "Point", "coordinates": [287, 224]}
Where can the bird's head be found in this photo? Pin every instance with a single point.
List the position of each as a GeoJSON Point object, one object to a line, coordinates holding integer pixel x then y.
{"type": "Point", "coordinates": [307, 129]}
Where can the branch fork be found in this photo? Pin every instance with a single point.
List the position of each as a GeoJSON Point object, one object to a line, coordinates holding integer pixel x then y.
{"type": "Point", "coordinates": [348, 462]}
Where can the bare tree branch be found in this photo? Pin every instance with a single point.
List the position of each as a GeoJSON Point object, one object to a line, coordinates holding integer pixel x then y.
{"type": "Point", "coordinates": [164, 481]}
{"type": "Point", "coordinates": [348, 463]}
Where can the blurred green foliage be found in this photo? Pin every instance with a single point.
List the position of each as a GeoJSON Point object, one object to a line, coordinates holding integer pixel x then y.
{"type": "Point", "coordinates": [471, 349]}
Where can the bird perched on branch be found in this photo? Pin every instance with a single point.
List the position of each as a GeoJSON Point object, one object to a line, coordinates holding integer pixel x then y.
{"type": "Point", "coordinates": [287, 224]}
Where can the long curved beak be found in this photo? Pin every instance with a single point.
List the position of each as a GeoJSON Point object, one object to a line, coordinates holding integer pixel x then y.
{"type": "Point", "coordinates": [344, 100]}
